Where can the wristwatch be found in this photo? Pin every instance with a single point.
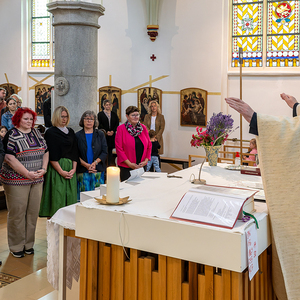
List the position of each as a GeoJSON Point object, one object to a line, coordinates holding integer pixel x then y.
{"type": "Point", "coordinates": [96, 162]}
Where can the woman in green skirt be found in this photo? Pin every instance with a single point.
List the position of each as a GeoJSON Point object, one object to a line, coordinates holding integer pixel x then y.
{"type": "Point", "coordinates": [60, 187]}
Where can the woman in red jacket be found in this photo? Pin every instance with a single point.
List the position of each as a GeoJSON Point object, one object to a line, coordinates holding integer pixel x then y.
{"type": "Point", "coordinates": [133, 145]}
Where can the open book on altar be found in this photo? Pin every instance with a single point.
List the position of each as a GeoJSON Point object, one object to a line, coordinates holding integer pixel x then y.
{"type": "Point", "coordinates": [214, 205]}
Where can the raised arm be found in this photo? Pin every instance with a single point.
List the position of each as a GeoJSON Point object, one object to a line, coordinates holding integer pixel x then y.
{"type": "Point", "coordinates": [241, 107]}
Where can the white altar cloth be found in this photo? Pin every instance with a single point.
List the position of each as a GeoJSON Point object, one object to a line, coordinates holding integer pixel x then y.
{"type": "Point", "coordinates": [159, 197]}
{"type": "Point", "coordinates": [145, 222]}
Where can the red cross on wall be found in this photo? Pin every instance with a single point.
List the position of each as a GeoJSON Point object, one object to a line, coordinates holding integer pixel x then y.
{"type": "Point", "coordinates": [153, 57]}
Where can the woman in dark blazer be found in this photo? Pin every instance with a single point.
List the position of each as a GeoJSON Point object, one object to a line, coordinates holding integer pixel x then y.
{"type": "Point", "coordinates": [109, 121]}
{"type": "Point", "coordinates": [92, 150]}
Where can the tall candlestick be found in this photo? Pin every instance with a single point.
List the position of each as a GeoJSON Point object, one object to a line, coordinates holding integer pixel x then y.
{"type": "Point", "coordinates": [113, 182]}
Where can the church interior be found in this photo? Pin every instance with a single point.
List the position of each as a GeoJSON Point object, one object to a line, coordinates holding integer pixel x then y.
{"type": "Point", "coordinates": [193, 49]}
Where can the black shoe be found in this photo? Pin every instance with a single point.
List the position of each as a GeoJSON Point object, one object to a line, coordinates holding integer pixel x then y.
{"type": "Point", "coordinates": [29, 251]}
{"type": "Point", "coordinates": [18, 254]}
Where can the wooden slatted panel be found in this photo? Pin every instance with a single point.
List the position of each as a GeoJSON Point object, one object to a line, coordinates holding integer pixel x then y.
{"type": "Point", "coordinates": [246, 285]}
{"type": "Point", "coordinates": [155, 285]}
{"type": "Point", "coordinates": [174, 278]}
{"type": "Point", "coordinates": [226, 275]}
{"type": "Point", "coordinates": [269, 283]}
{"type": "Point", "coordinates": [209, 283]}
{"type": "Point", "coordinates": [104, 271]}
{"type": "Point", "coordinates": [218, 286]}
{"type": "Point", "coordinates": [127, 287]}
{"type": "Point", "coordinates": [133, 276]}
{"type": "Point", "coordinates": [237, 286]}
{"type": "Point", "coordinates": [252, 289]}
{"type": "Point", "coordinates": [201, 286]}
{"type": "Point", "coordinates": [149, 263]}
{"type": "Point", "coordinates": [264, 268]}
{"type": "Point", "coordinates": [185, 291]}
{"type": "Point", "coordinates": [92, 269]}
{"type": "Point", "coordinates": [140, 278]}
{"type": "Point", "coordinates": [162, 274]}
{"type": "Point", "coordinates": [257, 286]}
{"type": "Point", "coordinates": [83, 269]}
{"type": "Point", "coordinates": [117, 272]}
{"type": "Point", "coordinates": [193, 284]}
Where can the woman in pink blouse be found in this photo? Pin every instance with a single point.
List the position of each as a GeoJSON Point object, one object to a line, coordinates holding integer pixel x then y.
{"type": "Point", "coordinates": [133, 145]}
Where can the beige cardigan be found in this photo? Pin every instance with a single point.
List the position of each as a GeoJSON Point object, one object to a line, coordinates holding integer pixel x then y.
{"type": "Point", "coordinates": [159, 128]}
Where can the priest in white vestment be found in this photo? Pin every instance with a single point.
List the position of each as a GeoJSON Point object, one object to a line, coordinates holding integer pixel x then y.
{"type": "Point", "coordinates": [279, 158]}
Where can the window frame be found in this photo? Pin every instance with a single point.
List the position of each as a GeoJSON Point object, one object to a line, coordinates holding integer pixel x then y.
{"type": "Point", "coordinates": [30, 68]}
{"type": "Point", "coordinates": [264, 70]}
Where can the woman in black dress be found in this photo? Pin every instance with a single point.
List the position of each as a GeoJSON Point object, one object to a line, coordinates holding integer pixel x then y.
{"type": "Point", "coordinates": [109, 121]}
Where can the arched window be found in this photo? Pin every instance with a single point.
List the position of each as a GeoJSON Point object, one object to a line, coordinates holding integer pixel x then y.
{"type": "Point", "coordinates": [268, 39]}
{"type": "Point", "coordinates": [42, 35]}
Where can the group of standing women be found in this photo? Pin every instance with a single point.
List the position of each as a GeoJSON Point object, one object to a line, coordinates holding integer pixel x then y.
{"type": "Point", "coordinates": [69, 154]}
{"type": "Point", "coordinates": [26, 163]}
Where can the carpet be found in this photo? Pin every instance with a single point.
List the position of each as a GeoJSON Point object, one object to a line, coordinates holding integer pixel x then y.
{"type": "Point", "coordinates": [6, 279]}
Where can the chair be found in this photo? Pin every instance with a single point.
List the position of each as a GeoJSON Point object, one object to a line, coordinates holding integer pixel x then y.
{"type": "Point", "coordinates": [196, 156]}
{"type": "Point", "coordinates": [227, 157]}
{"type": "Point", "coordinates": [249, 162]}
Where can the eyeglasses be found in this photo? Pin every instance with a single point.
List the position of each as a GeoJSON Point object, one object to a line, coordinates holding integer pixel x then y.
{"type": "Point", "coordinates": [135, 115]}
{"type": "Point", "coordinates": [88, 119]}
{"type": "Point", "coordinates": [64, 117]}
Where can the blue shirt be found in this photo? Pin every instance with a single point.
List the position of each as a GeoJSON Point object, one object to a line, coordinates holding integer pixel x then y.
{"type": "Point", "coordinates": [89, 152]}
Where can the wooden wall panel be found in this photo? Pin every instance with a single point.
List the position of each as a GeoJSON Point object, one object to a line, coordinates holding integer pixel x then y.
{"type": "Point", "coordinates": [117, 272]}
{"type": "Point", "coordinates": [92, 270]}
{"type": "Point", "coordinates": [83, 269]}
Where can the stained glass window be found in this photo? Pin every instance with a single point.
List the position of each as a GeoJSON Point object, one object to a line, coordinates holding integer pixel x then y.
{"type": "Point", "coordinates": [41, 35]}
{"type": "Point", "coordinates": [247, 32]}
{"type": "Point", "coordinates": [283, 34]}
{"type": "Point", "coordinates": [277, 45]}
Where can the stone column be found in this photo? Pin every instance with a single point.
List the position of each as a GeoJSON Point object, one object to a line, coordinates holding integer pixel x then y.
{"type": "Point", "coordinates": [75, 76]}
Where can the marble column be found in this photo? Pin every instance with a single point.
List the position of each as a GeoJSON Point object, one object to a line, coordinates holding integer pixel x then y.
{"type": "Point", "coordinates": [76, 43]}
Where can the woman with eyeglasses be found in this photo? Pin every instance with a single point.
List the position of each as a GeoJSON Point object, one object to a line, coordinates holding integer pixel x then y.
{"type": "Point", "coordinates": [133, 144]}
{"type": "Point", "coordinates": [92, 148]}
{"type": "Point", "coordinates": [60, 188]}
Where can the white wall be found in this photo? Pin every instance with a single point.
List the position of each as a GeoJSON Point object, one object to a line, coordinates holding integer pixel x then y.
{"type": "Point", "coordinates": [188, 50]}
{"type": "Point", "coordinates": [191, 49]}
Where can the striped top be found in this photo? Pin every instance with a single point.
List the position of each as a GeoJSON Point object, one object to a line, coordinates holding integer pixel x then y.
{"type": "Point", "coordinates": [29, 149]}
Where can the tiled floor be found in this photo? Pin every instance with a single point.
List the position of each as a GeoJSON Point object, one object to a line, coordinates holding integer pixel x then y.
{"type": "Point", "coordinates": [22, 267]}
{"type": "Point", "coordinates": [31, 268]}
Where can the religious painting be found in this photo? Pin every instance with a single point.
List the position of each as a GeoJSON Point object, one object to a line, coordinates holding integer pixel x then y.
{"type": "Point", "coordinates": [113, 94]}
{"type": "Point", "coordinates": [42, 92]}
{"type": "Point", "coordinates": [10, 89]}
{"type": "Point", "coordinates": [145, 96]}
{"type": "Point", "coordinates": [193, 107]}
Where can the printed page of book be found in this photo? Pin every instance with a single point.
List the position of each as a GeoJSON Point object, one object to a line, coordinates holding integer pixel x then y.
{"type": "Point", "coordinates": [218, 210]}
{"type": "Point", "coordinates": [241, 193]}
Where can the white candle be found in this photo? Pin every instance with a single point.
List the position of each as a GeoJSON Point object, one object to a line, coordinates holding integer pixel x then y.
{"type": "Point", "coordinates": [113, 182]}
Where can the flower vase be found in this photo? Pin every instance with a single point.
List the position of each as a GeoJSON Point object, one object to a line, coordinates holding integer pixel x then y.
{"type": "Point", "coordinates": [212, 154]}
